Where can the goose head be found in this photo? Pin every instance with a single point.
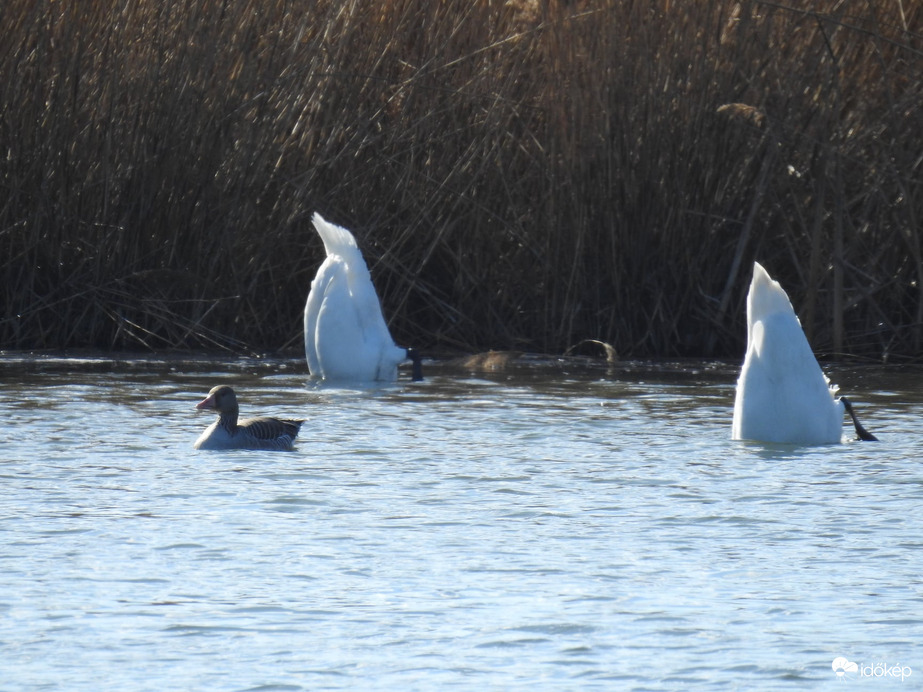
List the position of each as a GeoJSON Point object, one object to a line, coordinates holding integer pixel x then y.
{"type": "Point", "coordinates": [222, 399]}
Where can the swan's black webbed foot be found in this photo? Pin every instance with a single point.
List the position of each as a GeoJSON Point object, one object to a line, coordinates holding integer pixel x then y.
{"type": "Point", "coordinates": [861, 433]}
{"type": "Point", "coordinates": [417, 360]}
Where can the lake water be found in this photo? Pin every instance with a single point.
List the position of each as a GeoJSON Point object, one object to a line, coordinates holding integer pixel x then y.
{"type": "Point", "coordinates": [550, 526]}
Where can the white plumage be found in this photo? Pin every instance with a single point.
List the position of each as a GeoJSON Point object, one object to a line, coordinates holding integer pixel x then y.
{"type": "Point", "coordinates": [345, 335]}
{"type": "Point", "coordinates": [782, 394]}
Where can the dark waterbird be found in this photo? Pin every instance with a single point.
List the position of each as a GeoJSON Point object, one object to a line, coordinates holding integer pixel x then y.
{"type": "Point", "coordinates": [252, 433]}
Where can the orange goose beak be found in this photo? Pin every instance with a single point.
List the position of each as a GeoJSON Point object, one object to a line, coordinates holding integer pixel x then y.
{"type": "Point", "coordinates": [207, 402]}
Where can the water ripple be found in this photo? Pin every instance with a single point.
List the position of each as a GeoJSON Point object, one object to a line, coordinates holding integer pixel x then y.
{"type": "Point", "coordinates": [593, 529]}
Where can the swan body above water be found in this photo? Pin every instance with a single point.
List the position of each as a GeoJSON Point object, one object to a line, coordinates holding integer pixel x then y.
{"type": "Point", "coordinates": [345, 334]}
{"type": "Point", "coordinates": [253, 433]}
{"type": "Point", "coordinates": [782, 394]}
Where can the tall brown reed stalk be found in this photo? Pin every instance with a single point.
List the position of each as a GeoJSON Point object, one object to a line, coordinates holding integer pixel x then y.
{"type": "Point", "coordinates": [521, 174]}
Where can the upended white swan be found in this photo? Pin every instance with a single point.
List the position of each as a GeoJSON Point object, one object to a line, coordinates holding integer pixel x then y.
{"type": "Point", "coordinates": [782, 394]}
{"type": "Point", "coordinates": [345, 335]}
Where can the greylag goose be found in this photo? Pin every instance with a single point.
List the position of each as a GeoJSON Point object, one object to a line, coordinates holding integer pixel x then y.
{"type": "Point", "coordinates": [345, 335]}
{"type": "Point", "coordinates": [782, 394]}
{"type": "Point", "coordinates": [252, 433]}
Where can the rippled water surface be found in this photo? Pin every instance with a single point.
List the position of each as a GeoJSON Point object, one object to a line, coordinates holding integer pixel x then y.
{"type": "Point", "coordinates": [554, 526]}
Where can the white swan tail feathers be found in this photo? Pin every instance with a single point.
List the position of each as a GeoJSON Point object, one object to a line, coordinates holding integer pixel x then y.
{"type": "Point", "coordinates": [766, 297]}
{"type": "Point", "coordinates": [345, 334]}
{"type": "Point", "coordinates": [782, 394]}
{"type": "Point", "coordinates": [339, 242]}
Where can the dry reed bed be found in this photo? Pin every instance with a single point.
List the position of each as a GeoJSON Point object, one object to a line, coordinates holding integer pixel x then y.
{"type": "Point", "coordinates": [519, 174]}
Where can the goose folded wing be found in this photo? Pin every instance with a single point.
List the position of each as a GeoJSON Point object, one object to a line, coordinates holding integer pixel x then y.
{"type": "Point", "coordinates": [271, 428]}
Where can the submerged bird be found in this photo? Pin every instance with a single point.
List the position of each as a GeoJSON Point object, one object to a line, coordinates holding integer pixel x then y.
{"type": "Point", "coordinates": [782, 394]}
{"type": "Point", "coordinates": [345, 335]}
{"type": "Point", "coordinates": [253, 433]}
